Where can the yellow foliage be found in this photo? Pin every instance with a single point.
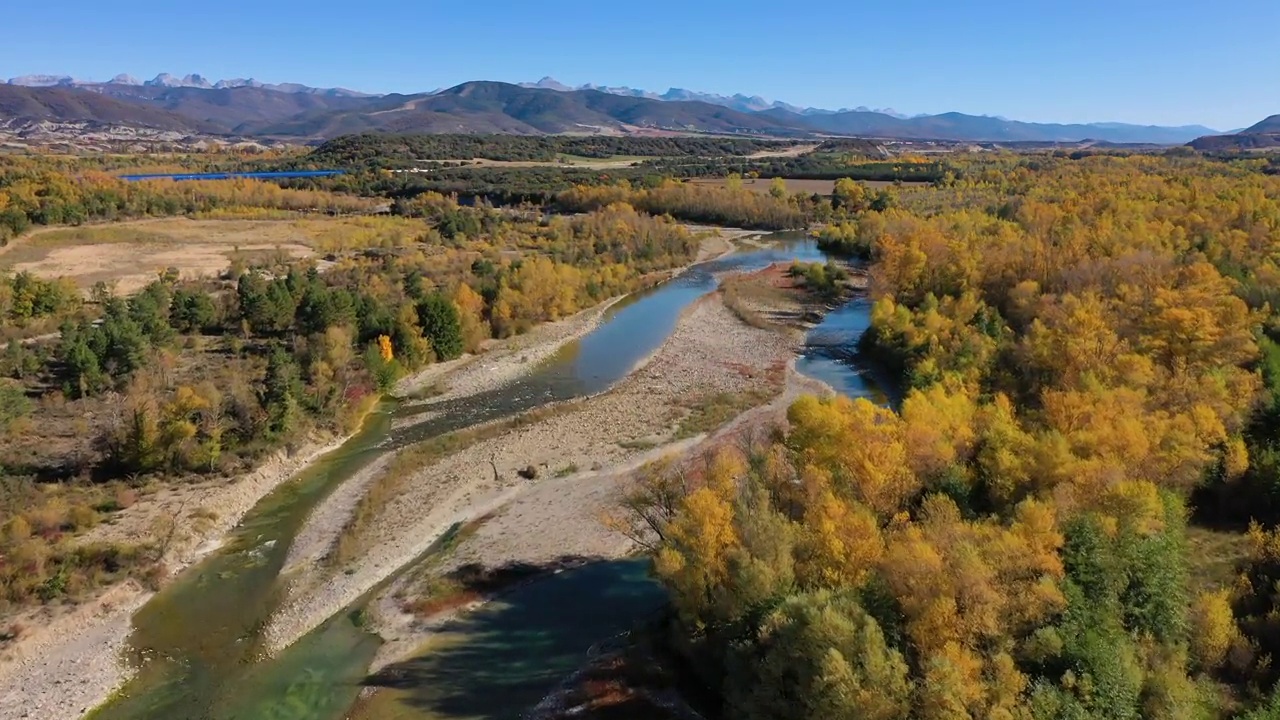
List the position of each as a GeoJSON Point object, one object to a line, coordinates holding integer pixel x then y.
{"type": "Point", "coordinates": [695, 558]}
{"type": "Point", "coordinates": [841, 544]}
{"type": "Point", "coordinates": [1213, 628]}
{"type": "Point", "coordinates": [860, 444]}
{"type": "Point", "coordinates": [938, 428]}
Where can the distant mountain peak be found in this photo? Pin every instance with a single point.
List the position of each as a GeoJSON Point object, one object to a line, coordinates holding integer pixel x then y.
{"type": "Point", "coordinates": [42, 80]}
{"type": "Point", "coordinates": [548, 83]}
{"type": "Point", "coordinates": [1268, 125]}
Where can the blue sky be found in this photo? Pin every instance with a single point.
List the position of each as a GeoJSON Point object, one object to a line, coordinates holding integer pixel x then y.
{"type": "Point", "coordinates": [1173, 62]}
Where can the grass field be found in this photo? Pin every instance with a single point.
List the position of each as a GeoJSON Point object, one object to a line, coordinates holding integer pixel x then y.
{"type": "Point", "coordinates": [130, 254]}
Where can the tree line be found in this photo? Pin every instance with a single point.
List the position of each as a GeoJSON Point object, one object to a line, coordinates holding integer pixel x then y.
{"type": "Point", "coordinates": [379, 150]}
{"type": "Point", "coordinates": [33, 193]}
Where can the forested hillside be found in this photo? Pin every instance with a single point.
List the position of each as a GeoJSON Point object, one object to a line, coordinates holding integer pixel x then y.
{"type": "Point", "coordinates": [1053, 522]}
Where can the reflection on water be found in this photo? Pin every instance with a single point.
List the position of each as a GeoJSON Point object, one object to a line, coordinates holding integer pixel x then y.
{"type": "Point", "coordinates": [494, 663]}
{"type": "Point", "coordinates": [830, 352]}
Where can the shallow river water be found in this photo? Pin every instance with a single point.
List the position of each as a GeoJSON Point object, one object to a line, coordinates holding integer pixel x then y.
{"type": "Point", "coordinates": [197, 644]}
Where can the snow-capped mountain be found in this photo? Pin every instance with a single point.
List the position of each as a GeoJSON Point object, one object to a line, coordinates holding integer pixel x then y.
{"type": "Point", "coordinates": [738, 101]}
{"type": "Point", "coordinates": [167, 80]}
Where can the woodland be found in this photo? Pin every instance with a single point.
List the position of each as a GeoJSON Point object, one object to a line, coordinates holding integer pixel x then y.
{"type": "Point", "coordinates": [1071, 513]}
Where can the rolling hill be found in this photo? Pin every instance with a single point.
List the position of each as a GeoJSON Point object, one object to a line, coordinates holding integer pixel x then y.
{"type": "Point", "coordinates": [1262, 136]}
{"type": "Point", "coordinates": [63, 104]}
{"type": "Point", "coordinates": [237, 110]}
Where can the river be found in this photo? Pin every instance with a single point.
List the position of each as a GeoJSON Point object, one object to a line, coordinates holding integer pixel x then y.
{"type": "Point", "coordinates": [197, 644]}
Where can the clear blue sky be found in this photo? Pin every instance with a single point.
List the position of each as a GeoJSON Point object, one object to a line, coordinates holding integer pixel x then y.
{"type": "Point", "coordinates": [1173, 62]}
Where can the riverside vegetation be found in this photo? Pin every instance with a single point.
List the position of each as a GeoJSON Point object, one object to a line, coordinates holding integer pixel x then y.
{"type": "Point", "coordinates": [105, 397]}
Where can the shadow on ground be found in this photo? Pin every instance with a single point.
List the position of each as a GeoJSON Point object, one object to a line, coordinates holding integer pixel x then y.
{"type": "Point", "coordinates": [497, 662]}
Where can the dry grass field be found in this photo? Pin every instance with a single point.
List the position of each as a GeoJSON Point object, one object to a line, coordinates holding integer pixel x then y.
{"type": "Point", "coordinates": [130, 254]}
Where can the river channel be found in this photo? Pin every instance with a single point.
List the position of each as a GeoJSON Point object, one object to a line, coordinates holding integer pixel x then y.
{"type": "Point", "coordinates": [197, 644]}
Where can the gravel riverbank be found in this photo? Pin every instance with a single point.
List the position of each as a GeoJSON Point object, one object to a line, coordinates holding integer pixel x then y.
{"type": "Point", "coordinates": [710, 353]}
{"type": "Point", "coordinates": [69, 660]}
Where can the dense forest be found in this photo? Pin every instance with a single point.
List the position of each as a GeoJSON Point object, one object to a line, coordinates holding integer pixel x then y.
{"type": "Point", "coordinates": [379, 150]}
{"type": "Point", "coordinates": [1056, 521]}
{"type": "Point", "coordinates": [443, 164]}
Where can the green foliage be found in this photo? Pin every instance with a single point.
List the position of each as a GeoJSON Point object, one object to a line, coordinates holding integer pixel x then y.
{"type": "Point", "coordinates": [438, 318]}
{"type": "Point", "coordinates": [818, 656]}
{"type": "Point", "coordinates": [25, 297]}
{"type": "Point", "coordinates": [825, 279]}
{"type": "Point", "coordinates": [280, 393]}
{"type": "Point", "coordinates": [384, 372]}
{"type": "Point", "coordinates": [1268, 710]}
{"type": "Point", "coordinates": [192, 311]}
{"type": "Point", "coordinates": [14, 405]}
{"type": "Point", "coordinates": [384, 150]}
{"type": "Point", "coordinates": [267, 306]}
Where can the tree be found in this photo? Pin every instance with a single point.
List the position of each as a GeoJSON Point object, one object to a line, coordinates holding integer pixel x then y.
{"type": "Point", "coordinates": [778, 188]}
{"type": "Point", "coordinates": [858, 445]}
{"type": "Point", "coordinates": [850, 195]}
{"type": "Point", "coordinates": [191, 311]}
{"type": "Point", "coordinates": [475, 329]}
{"type": "Point", "coordinates": [267, 305]}
{"type": "Point", "coordinates": [280, 393]}
{"type": "Point", "coordinates": [438, 317]}
{"type": "Point", "coordinates": [14, 405]}
{"type": "Point", "coordinates": [82, 366]}
{"type": "Point", "coordinates": [1213, 628]}
{"type": "Point", "coordinates": [818, 656]}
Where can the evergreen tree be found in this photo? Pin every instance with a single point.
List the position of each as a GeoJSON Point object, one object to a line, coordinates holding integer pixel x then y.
{"type": "Point", "coordinates": [191, 311]}
{"type": "Point", "coordinates": [438, 317]}
{"type": "Point", "coordinates": [280, 393]}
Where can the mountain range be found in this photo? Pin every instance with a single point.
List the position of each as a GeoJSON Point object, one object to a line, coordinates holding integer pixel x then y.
{"type": "Point", "coordinates": [165, 80]}
{"type": "Point", "coordinates": [248, 108]}
{"type": "Point", "coordinates": [738, 101]}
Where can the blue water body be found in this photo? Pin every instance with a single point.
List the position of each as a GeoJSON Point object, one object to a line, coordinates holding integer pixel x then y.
{"type": "Point", "coordinates": [231, 175]}
{"type": "Point", "coordinates": [831, 355]}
